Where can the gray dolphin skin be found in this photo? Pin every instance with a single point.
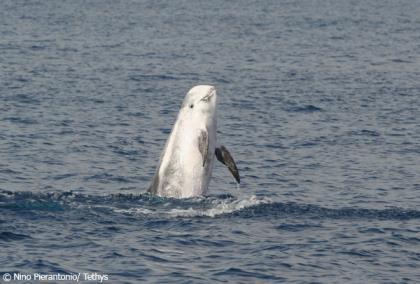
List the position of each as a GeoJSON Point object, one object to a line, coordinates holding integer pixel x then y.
{"type": "Point", "coordinates": [186, 163]}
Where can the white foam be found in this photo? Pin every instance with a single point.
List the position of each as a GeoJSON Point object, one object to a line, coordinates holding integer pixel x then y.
{"type": "Point", "coordinates": [217, 207]}
{"type": "Point", "coordinates": [134, 211]}
{"type": "Point", "coordinates": [224, 207]}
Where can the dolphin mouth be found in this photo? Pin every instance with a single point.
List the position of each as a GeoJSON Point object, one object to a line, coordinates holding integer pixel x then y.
{"type": "Point", "coordinates": [209, 95]}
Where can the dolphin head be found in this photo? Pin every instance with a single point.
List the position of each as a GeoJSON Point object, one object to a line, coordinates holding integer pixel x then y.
{"type": "Point", "coordinates": [200, 101]}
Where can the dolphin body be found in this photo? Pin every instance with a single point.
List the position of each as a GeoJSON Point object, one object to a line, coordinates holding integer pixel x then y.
{"type": "Point", "coordinates": [186, 163]}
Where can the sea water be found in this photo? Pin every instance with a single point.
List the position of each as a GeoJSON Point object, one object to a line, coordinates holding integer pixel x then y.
{"type": "Point", "coordinates": [319, 104]}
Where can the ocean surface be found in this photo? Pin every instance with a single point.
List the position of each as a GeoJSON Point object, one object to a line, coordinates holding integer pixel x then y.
{"type": "Point", "coordinates": [319, 104]}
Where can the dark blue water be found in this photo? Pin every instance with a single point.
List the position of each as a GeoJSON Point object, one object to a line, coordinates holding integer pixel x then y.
{"type": "Point", "coordinates": [319, 103]}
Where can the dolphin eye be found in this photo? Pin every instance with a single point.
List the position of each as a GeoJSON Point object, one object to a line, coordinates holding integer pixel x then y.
{"type": "Point", "coordinates": [191, 105]}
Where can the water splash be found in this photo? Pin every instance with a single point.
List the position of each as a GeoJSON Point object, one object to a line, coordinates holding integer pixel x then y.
{"type": "Point", "coordinates": [220, 208]}
{"type": "Point", "coordinates": [197, 207]}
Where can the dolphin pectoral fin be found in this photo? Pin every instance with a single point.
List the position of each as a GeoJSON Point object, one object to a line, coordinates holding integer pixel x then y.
{"type": "Point", "coordinates": [203, 145]}
{"type": "Point", "coordinates": [223, 155]}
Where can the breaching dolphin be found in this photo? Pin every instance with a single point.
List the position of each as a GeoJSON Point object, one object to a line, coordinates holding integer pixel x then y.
{"type": "Point", "coordinates": [186, 163]}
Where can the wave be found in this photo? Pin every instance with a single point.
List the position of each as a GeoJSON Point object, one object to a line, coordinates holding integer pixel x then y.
{"type": "Point", "coordinates": [148, 206]}
{"type": "Point", "coordinates": [10, 236]}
